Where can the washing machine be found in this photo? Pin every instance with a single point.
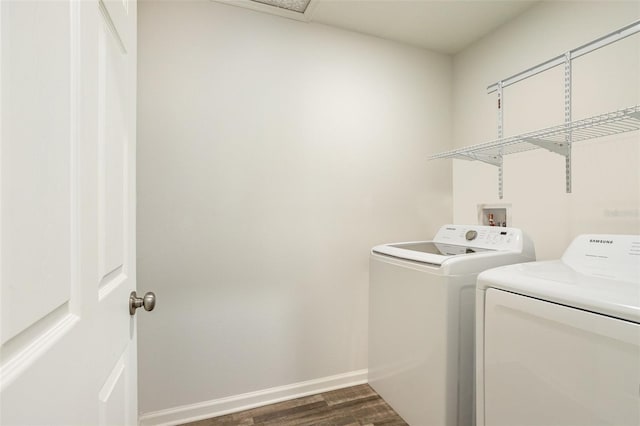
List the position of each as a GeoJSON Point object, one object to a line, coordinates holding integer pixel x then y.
{"type": "Point", "coordinates": [421, 319]}
{"type": "Point", "coordinates": [558, 342]}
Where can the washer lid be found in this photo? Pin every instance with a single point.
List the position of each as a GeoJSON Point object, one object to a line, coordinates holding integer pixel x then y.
{"type": "Point", "coordinates": [601, 277]}
{"type": "Point", "coordinates": [426, 251]}
{"type": "Point", "coordinates": [460, 242]}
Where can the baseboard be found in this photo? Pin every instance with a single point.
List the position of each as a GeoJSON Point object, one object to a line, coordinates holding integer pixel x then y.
{"type": "Point", "coordinates": [245, 401]}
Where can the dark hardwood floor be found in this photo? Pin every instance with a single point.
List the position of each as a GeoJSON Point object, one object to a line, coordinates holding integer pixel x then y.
{"type": "Point", "coordinates": [354, 406]}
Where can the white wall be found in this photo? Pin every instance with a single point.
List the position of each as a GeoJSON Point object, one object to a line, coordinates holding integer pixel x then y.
{"type": "Point", "coordinates": [606, 181]}
{"type": "Point", "coordinates": [272, 155]}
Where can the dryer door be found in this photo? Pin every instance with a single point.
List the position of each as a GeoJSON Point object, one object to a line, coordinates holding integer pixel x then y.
{"type": "Point", "coordinates": [548, 364]}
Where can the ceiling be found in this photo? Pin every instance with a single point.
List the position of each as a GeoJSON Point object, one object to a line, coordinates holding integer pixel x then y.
{"type": "Point", "coordinates": [443, 26]}
{"type": "Point", "coordinates": [446, 26]}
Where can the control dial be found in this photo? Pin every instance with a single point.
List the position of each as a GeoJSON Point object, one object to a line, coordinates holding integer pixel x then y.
{"type": "Point", "coordinates": [471, 235]}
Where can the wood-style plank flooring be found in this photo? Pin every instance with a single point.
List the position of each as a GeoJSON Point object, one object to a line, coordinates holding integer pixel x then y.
{"type": "Point", "coordinates": [354, 406]}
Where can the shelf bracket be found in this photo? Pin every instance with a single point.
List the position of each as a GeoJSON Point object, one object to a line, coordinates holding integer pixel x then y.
{"type": "Point", "coordinates": [494, 160]}
{"type": "Point", "coordinates": [635, 115]}
{"type": "Point", "coordinates": [558, 148]}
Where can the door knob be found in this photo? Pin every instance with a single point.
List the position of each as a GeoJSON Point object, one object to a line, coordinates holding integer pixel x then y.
{"type": "Point", "coordinates": [148, 302]}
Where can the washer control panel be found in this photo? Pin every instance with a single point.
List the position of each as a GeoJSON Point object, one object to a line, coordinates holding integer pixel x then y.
{"type": "Point", "coordinates": [489, 237]}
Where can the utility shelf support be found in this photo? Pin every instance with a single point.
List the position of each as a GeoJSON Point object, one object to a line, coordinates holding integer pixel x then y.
{"type": "Point", "coordinates": [558, 148]}
{"type": "Point", "coordinates": [596, 44]}
{"type": "Point", "coordinates": [500, 136]}
{"type": "Point", "coordinates": [558, 139]}
{"type": "Point", "coordinates": [494, 160]}
{"type": "Point", "coordinates": [567, 120]}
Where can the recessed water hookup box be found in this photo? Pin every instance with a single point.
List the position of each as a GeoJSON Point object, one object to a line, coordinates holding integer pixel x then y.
{"type": "Point", "coordinates": [494, 214]}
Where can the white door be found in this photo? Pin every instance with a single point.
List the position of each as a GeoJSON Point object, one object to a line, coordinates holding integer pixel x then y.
{"type": "Point", "coordinates": [67, 212]}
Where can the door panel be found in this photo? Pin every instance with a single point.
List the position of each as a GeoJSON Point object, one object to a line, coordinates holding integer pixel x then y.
{"type": "Point", "coordinates": [67, 212]}
{"type": "Point", "coordinates": [37, 191]}
{"type": "Point", "coordinates": [115, 399]}
{"type": "Point", "coordinates": [113, 139]}
{"type": "Point", "coordinates": [116, 211]}
{"type": "Point", "coordinates": [119, 15]}
{"type": "Point", "coordinates": [112, 396]}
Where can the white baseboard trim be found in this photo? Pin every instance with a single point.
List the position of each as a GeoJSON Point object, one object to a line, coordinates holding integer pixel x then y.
{"type": "Point", "coordinates": [245, 401]}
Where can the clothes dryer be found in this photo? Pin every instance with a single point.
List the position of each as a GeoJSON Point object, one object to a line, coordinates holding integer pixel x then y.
{"type": "Point", "coordinates": [558, 342]}
{"type": "Point", "coordinates": [421, 318]}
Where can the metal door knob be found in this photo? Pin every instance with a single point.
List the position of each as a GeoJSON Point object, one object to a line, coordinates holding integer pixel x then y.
{"type": "Point", "coordinates": [148, 302]}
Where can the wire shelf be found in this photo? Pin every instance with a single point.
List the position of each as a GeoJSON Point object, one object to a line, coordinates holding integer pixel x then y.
{"type": "Point", "coordinates": [552, 138]}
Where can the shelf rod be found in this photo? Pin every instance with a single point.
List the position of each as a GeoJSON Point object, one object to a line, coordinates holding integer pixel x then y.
{"type": "Point", "coordinates": [596, 44]}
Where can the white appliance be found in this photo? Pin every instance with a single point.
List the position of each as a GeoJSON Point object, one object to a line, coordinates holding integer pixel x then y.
{"type": "Point", "coordinates": [421, 318]}
{"type": "Point", "coordinates": [558, 342]}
